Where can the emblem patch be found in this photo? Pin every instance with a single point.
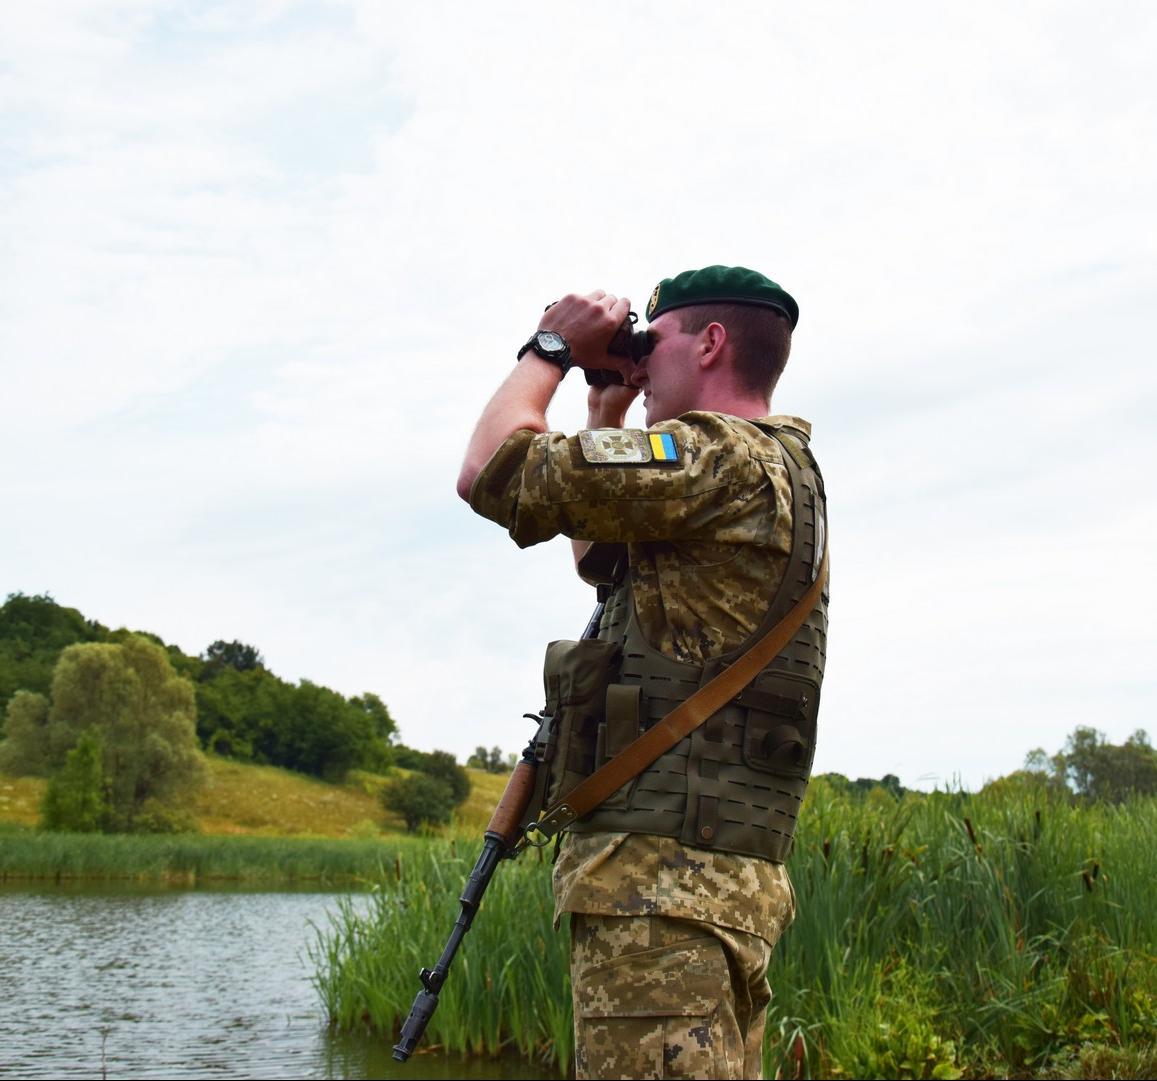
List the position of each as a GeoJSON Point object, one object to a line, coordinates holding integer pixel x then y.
{"type": "Point", "coordinates": [628, 446]}
{"type": "Point", "coordinates": [653, 303]}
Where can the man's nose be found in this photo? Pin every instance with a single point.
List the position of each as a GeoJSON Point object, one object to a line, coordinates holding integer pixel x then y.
{"type": "Point", "coordinates": [638, 373]}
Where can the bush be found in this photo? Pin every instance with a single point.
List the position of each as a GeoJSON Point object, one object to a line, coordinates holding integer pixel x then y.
{"type": "Point", "coordinates": [420, 799]}
{"type": "Point", "coordinates": [408, 758]}
{"type": "Point", "coordinates": [443, 766]}
{"type": "Point", "coordinates": [157, 817]}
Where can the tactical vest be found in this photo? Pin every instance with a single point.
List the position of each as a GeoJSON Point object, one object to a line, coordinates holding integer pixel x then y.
{"type": "Point", "coordinates": [737, 782]}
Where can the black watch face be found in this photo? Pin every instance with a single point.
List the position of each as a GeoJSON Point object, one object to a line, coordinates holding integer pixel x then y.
{"type": "Point", "coordinates": [551, 342]}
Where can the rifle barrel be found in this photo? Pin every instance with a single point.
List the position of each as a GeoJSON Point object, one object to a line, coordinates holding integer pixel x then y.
{"type": "Point", "coordinates": [502, 835]}
{"type": "Point", "coordinates": [426, 1001]}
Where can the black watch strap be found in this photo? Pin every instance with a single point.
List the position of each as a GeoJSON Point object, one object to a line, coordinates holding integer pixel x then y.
{"type": "Point", "coordinates": [550, 345]}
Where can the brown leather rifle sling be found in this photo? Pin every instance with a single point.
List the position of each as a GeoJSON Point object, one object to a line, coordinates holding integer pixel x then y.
{"type": "Point", "coordinates": [680, 722]}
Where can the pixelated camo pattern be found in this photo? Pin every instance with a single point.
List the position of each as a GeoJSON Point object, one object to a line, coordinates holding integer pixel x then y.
{"type": "Point", "coordinates": [656, 997]}
{"type": "Point", "coordinates": [708, 543]}
{"type": "Point", "coordinates": [631, 874]}
{"type": "Point", "coordinates": [708, 540]}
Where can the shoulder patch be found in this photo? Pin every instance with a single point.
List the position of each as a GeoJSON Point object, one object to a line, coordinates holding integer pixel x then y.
{"type": "Point", "coordinates": [628, 446]}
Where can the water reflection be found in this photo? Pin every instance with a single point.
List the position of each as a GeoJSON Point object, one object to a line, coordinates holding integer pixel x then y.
{"type": "Point", "coordinates": [178, 983]}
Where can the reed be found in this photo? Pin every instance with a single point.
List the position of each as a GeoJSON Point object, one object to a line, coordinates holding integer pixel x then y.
{"type": "Point", "coordinates": [510, 986]}
{"type": "Point", "coordinates": [939, 934]}
{"type": "Point", "coordinates": [945, 932]}
{"type": "Point", "coordinates": [193, 859]}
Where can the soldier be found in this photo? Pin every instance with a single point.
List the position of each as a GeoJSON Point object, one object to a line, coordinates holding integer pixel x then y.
{"type": "Point", "coordinates": [701, 532]}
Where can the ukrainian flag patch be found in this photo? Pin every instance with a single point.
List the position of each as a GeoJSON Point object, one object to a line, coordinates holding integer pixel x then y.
{"type": "Point", "coordinates": [628, 446]}
{"type": "Point", "coordinates": [663, 446]}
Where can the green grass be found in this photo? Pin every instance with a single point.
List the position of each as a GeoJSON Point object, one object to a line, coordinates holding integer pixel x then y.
{"type": "Point", "coordinates": [509, 986]}
{"type": "Point", "coordinates": [944, 935]}
{"type": "Point", "coordinates": [991, 933]}
{"type": "Point", "coordinates": [192, 859]}
{"type": "Point", "coordinates": [258, 825]}
{"type": "Point", "coordinates": [20, 800]}
{"type": "Point", "coordinates": [240, 799]}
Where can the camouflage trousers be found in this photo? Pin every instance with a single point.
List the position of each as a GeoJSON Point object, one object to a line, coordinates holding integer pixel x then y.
{"type": "Point", "coordinates": [659, 997]}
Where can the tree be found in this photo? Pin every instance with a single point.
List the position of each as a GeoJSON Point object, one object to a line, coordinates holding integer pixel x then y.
{"type": "Point", "coordinates": [1103, 771]}
{"type": "Point", "coordinates": [252, 714]}
{"type": "Point", "coordinates": [420, 799]}
{"type": "Point", "coordinates": [383, 726]}
{"type": "Point", "coordinates": [25, 752]}
{"type": "Point", "coordinates": [127, 697]}
{"type": "Point", "coordinates": [889, 782]}
{"type": "Point", "coordinates": [439, 764]}
{"type": "Point", "coordinates": [236, 655]}
{"type": "Point", "coordinates": [443, 766]}
{"type": "Point", "coordinates": [238, 713]}
{"type": "Point", "coordinates": [242, 709]}
{"type": "Point", "coordinates": [1090, 766]}
{"type": "Point", "coordinates": [492, 761]}
{"type": "Point", "coordinates": [33, 631]}
{"type": "Point", "coordinates": [321, 734]}
{"type": "Point", "coordinates": [75, 797]}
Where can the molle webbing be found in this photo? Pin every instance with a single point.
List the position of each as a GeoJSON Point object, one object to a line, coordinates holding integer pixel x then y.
{"type": "Point", "coordinates": [736, 783]}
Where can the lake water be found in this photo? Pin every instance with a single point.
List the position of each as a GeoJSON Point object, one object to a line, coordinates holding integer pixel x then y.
{"type": "Point", "coordinates": [137, 983]}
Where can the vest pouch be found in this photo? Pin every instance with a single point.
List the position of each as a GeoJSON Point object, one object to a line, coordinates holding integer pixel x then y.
{"type": "Point", "coordinates": [617, 732]}
{"type": "Point", "coordinates": [780, 725]}
{"type": "Point", "coordinates": [576, 676]}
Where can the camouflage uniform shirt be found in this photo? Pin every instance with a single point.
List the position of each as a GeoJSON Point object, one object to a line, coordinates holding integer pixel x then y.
{"type": "Point", "coordinates": [708, 540]}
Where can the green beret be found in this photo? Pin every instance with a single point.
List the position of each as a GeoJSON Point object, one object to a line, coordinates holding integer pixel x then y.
{"type": "Point", "coordinates": [721, 285]}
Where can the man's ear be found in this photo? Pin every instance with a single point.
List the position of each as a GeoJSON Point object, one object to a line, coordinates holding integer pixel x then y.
{"type": "Point", "coordinates": [711, 343]}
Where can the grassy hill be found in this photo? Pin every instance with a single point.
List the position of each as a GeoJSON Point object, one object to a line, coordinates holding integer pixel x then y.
{"type": "Point", "coordinates": [265, 801]}
{"type": "Point", "coordinates": [20, 800]}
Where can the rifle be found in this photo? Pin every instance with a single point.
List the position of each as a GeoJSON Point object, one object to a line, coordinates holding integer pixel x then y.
{"type": "Point", "coordinates": [502, 835]}
{"type": "Point", "coordinates": [502, 840]}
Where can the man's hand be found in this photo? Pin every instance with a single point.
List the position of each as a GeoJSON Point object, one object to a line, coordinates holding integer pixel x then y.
{"type": "Point", "coordinates": [607, 406]}
{"type": "Point", "coordinates": [588, 324]}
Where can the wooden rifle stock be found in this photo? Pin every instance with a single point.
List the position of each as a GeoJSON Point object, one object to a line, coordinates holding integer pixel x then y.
{"type": "Point", "coordinates": [515, 799]}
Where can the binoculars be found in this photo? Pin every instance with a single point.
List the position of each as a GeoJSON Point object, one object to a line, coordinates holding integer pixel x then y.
{"type": "Point", "coordinates": [627, 342]}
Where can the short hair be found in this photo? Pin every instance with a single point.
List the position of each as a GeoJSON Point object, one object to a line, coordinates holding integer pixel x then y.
{"type": "Point", "coordinates": [761, 337]}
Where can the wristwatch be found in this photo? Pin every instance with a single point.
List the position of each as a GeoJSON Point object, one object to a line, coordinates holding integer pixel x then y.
{"type": "Point", "coordinates": [550, 345]}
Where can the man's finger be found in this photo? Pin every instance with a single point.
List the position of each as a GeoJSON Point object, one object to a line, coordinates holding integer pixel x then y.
{"type": "Point", "coordinates": [620, 309]}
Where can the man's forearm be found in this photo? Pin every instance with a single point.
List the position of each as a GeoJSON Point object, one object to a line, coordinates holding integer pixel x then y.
{"type": "Point", "coordinates": [519, 403]}
{"type": "Point", "coordinates": [587, 324]}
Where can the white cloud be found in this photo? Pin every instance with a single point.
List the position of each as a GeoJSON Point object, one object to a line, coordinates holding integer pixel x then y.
{"type": "Point", "coordinates": [263, 263]}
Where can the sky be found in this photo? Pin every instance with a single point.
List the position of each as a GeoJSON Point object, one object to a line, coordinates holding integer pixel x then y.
{"type": "Point", "coordinates": [262, 264]}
